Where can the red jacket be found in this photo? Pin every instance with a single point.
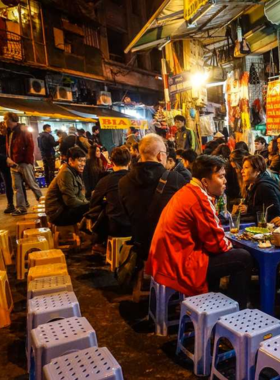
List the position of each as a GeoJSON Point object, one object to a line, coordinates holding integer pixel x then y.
{"type": "Point", "coordinates": [21, 147]}
{"type": "Point", "coordinates": [187, 231]}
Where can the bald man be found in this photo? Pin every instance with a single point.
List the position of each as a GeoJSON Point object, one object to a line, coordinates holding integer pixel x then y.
{"type": "Point", "coordinates": [138, 187]}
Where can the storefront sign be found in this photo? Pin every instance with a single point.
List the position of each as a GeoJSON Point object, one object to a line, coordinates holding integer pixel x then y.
{"type": "Point", "coordinates": [121, 123]}
{"type": "Point", "coordinates": [191, 7]}
{"type": "Point", "coordinates": [179, 83]}
{"type": "Point", "coordinates": [273, 108]}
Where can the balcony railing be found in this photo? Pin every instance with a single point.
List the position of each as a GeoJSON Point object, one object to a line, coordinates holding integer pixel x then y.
{"type": "Point", "coordinates": [11, 45]}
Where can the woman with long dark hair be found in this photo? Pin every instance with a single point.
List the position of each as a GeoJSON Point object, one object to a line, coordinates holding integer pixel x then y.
{"type": "Point", "coordinates": [94, 170]}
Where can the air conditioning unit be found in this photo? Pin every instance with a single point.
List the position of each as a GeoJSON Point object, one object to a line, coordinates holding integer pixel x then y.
{"type": "Point", "coordinates": [63, 93]}
{"type": "Point", "coordinates": [105, 98]}
{"type": "Point", "coordinates": [36, 87]}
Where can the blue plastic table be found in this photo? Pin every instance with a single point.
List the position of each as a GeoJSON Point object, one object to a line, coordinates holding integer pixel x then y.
{"type": "Point", "coordinates": [268, 260]}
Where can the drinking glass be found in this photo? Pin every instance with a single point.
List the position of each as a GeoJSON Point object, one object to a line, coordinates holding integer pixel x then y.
{"type": "Point", "coordinates": [261, 218]}
{"type": "Point", "coordinates": [234, 224]}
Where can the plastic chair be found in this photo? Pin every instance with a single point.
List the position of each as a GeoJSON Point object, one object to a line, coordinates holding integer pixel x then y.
{"type": "Point", "coordinates": [59, 269]}
{"type": "Point", "coordinates": [161, 298]}
{"type": "Point", "coordinates": [26, 225]}
{"type": "Point", "coordinates": [268, 357]}
{"type": "Point", "coordinates": [113, 249]}
{"type": "Point", "coordinates": [92, 364]}
{"type": "Point", "coordinates": [2, 262]}
{"type": "Point", "coordinates": [48, 308]}
{"type": "Point", "coordinates": [245, 330]}
{"type": "Point", "coordinates": [47, 285]}
{"type": "Point", "coordinates": [46, 232]}
{"type": "Point", "coordinates": [66, 237]}
{"type": "Point", "coordinates": [203, 311]}
{"type": "Point", "coordinates": [6, 246]}
{"type": "Point", "coordinates": [42, 216]}
{"type": "Point", "coordinates": [52, 340]}
{"type": "Point", "coordinates": [25, 246]}
{"type": "Point", "coordinates": [51, 256]}
{"type": "Point", "coordinates": [6, 300]}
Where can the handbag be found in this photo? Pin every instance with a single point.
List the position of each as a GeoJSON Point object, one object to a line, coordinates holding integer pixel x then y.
{"type": "Point", "coordinates": [129, 259]}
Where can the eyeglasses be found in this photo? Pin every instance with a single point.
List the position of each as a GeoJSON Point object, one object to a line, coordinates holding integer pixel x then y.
{"type": "Point", "coordinates": [81, 160]}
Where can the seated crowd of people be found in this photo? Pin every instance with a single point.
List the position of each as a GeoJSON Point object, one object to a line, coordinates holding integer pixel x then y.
{"type": "Point", "coordinates": [165, 199]}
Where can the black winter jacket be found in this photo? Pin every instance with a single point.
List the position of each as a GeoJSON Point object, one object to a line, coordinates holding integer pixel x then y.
{"type": "Point", "coordinates": [137, 190]}
{"type": "Point", "coordinates": [46, 143]}
{"type": "Point", "coordinates": [180, 168]}
{"type": "Point", "coordinates": [264, 191]}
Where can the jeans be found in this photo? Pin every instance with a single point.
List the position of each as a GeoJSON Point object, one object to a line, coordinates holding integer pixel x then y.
{"type": "Point", "coordinates": [236, 263]}
{"type": "Point", "coordinates": [49, 168]}
{"type": "Point", "coordinates": [71, 216]}
{"type": "Point", "coordinates": [24, 172]}
{"type": "Point", "coordinates": [6, 175]}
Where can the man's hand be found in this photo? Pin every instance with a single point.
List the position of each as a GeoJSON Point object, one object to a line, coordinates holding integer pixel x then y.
{"type": "Point", "coordinates": [243, 209]}
{"type": "Point", "coordinates": [10, 162]}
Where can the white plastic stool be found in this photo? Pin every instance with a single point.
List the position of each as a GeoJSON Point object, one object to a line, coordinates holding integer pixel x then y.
{"type": "Point", "coordinates": [47, 285]}
{"type": "Point", "coordinates": [52, 340]}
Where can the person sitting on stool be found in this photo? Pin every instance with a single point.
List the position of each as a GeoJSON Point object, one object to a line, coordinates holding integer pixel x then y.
{"type": "Point", "coordinates": [65, 201]}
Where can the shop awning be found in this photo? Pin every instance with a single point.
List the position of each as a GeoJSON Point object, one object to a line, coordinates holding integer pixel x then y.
{"type": "Point", "coordinates": [39, 108]}
{"type": "Point", "coordinates": [108, 118]}
{"type": "Point", "coordinates": [208, 23]}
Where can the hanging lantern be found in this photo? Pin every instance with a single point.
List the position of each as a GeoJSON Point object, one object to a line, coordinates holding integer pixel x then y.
{"type": "Point", "coordinates": [272, 11]}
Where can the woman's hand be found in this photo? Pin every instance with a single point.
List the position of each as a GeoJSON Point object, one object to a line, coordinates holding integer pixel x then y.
{"type": "Point", "coordinates": [276, 221]}
{"type": "Point", "coordinates": [243, 209]}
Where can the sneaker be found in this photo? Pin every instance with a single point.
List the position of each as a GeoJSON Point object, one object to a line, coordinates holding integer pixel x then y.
{"type": "Point", "coordinates": [27, 204]}
{"type": "Point", "coordinates": [18, 212]}
{"type": "Point", "coordinates": [9, 209]}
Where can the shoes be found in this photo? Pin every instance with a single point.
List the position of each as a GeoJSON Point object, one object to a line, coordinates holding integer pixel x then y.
{"type": "Point", "coordinates": [9, 209]}
{"type": "Point", "coordinates": [27, 204]}
{"type": "Point", "coordinates": [18, 212]}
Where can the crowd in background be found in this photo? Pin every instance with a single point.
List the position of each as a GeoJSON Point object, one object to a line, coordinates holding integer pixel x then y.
{"type": "Point", "coordinates": [158, 191]}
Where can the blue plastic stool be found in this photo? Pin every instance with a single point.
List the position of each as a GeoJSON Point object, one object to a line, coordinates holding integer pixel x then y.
{"type": "Point", "coordinates": [46, 285]}
{"type": "Point", "coordinates": [269, 356]}
{"type": "Point", "coordinates": [203, 311]}
{"type": "Point", "coordinates": [51, 340]}
{"type": "Point", "coordinates": [245, 330]}
{"type": "Point", "coordinates": [46, 308]}
{"type": "Point", "coordinates": [159, 303]}
{"type": "Point", "coordinates": [92, 364]}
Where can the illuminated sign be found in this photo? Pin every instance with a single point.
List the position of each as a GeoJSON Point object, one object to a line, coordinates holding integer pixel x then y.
{"type": "Point", "coordinates": [121, 123]}
{"type": "Point", "coordinates": [273, 108]}
{"type": "Point", "coordinates": [191, 7]}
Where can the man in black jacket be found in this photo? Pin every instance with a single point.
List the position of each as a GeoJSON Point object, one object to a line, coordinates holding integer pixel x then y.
{"type": "Point", "coordinates": [138, 187]}
{"type": "Point", "coordinates": [46, 143]}
{"type": "Point", "coordinates": [107, 187]}
{"type": "Point", "coordinates": [177, 166]}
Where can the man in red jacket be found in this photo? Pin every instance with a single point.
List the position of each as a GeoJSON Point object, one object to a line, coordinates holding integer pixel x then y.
{"type": "Point", "coordinates": [20, 148]}
{"type": "Point", "coordinates": [189, 250]}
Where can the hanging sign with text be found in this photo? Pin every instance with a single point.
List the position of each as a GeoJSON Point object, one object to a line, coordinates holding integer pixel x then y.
{"type": "Point", "coordinates": [191, 7]}
{"type": "Point", "coordinates": [121, 123]}
{"type": "Point", "coordinates": [273, 108]}
{"type": "Point", "coordinates": [179, 83]}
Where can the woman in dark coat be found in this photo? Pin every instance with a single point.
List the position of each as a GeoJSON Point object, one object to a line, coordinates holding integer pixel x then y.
{"type": "Point", "coordinates": [94, 170]}
{"type": "Point", "coordinates": [262, 190]}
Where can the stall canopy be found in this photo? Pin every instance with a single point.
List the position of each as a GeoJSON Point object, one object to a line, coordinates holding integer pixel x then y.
{"type": "Point", "coordinates": [40, 108]}
{"type": "Point", "coordinates": [207, 23]}
{"type": "Point", "coordinates": [108, 118]}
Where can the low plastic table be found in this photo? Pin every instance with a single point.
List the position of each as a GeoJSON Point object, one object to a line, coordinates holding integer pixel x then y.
{"type": "Point", "coordinates": [268, 260]}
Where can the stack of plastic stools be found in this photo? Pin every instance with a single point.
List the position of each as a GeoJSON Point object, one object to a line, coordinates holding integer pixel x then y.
{"type": "Point", "coordinates": [5, 245]}
{"type": "Point", "coordinates": [51, 256]}
{"type": "Point", "coordinates": [25, 225]}
{"type": "Point", "coordinates": [52, 340]}
{"type": "Point", "coordinates": [268, 357]}
{"type": "Point", "coordinates": [58, 269]}
{"type": "Point", "coordinates": [159, 303]}
{"type": "Point", "coordinates": [47, 285]}
{"type": "Point", "coordinates": [245, 330]}
{"type": "Point", "coordinates": [46, 308]}
{"type": "Point", "coordinates": [203, 311]}
{"type": "Point", "coordinates": [46, 232]}
{"type": "Point", "coordinates": [90, 364]}
{"type": "Point", "coordinates": [6, 301]}
{"type": "Point", "coordinates": [113, 250]}
{"type": "Point", "coordinates": [42, 216]}
{"type": "Point", "coordinates": [39, 209]}
{"type": "Point", "coordinates": [25, 246]}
